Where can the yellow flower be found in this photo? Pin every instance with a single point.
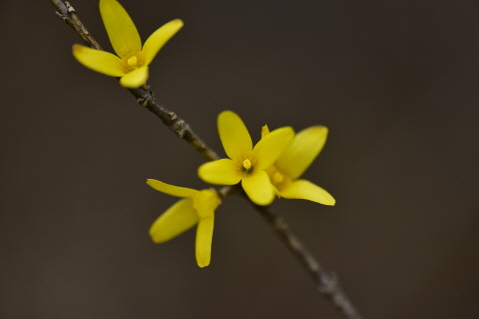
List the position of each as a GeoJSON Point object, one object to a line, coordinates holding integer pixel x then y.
{"type": "Point", "coordinates": [196, 207]}
{"type": "Point", "coordinates": [245, 163]}
{"type": "Point", "coordinates": [285, 172]}
{"type": "Point", "coordinates": [131, 64]}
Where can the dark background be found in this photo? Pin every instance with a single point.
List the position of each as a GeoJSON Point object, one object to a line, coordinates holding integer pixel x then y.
{"type": "Point", "coordinates": [396, 82]}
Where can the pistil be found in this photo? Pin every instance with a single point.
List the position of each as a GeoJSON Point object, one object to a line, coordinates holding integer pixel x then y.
{"type": "Point", "coordinates": [133, 61]}
{"type": "Point", "coordinates": [247, 164]}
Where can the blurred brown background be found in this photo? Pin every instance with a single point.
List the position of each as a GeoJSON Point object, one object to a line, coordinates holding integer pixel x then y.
{"type": "Point", "coordinates": [396, 82]}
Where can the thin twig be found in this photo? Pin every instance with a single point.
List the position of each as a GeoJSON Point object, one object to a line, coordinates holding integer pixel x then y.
{"type": "Point", "coordinates": [182, 129]}
{"type": "Point", "coordinates": [326, 282]}
{"type": "Point", "coordinates": [144, 96]}
{"type": "Point", "coordinates": [68, 14]}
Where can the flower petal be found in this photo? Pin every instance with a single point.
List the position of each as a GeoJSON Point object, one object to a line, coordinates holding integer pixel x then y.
{"type": "Point", "coordinates": [177, 219]}
{"type": "Point", "coordinates": [220, 172]}
{"type": "Point", "coordinates": [264, 131]}
{"type": "Point", "coordinates": [171, 189]}
{"type": "Point", "coordinates": [158, 39]}
{"type": "Point", "coordinates": [258, 188]}
{"type": "Point", "coordinates": [272, 146]}
{"type": "Point", "coordinates": [99, 61]}
{"type": "Point", "coordinates": [204, 238]}
{"type": "Point", "coordinates": [206, 202]}
{"type": "Point", "coordinates": [121, 30]}
{"type": "Point", "coordinates": [303, 189]}
{"type": "Point", "coordinates": [234, 135]}
{"type": "Point", "coordinates": [135, 78]}
{"type": "Point", "coordinates": [301, 153]}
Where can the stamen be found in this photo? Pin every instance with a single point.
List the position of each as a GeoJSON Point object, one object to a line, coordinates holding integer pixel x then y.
{"type": "Point", "coordinates": [247, 164]}
{"type": "Point", "coordinates": [133, 61]}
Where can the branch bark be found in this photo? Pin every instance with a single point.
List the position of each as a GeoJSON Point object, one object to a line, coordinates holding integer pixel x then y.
{"type": "Point", "coordinates": [145, 97]}
{"type": "Point", "coordinates": [326, 282]}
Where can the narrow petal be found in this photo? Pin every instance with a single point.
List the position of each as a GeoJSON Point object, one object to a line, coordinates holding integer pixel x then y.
{"type": "Point", "coordinates": [206, 202]}
{"type": "Point", "coordinates": [99, 61]}
{"type": "Point", "coordinates": [272, 146]}
{"type": "Point", "coordinates": [158, 39]}
{"type": "Point", "coordinates": [171, 189]}
{"type": "Point", "coordinates": [135, 78]}
{"type": "Point", "coordinates": [204, 239]}
{"type": "Point", "coordinates": [177, 219]}
{"type": "Point", "coordinates": [220, 172]}
{"type": "Point", "coordinates": [120, 28]}
{"type": "Point", "coordinates": [234, 136]}
{"type": "Point", "coordinates": [303, 189]}
{"type": "Point", "coordinates": [305, 147]}
{"type": "Point", "coordinates": [264, 131]}
{"type": "Point", "coordinates": [258, 188]}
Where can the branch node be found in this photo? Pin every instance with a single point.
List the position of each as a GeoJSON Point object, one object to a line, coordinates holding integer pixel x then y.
{"type": "Point", "coordinates": [173, 116]}
{"type": "Point", "coordinates": [61, 16]}
{"type": "Point", "coordinates": [179, 127]}
{"type": "Point", "coordinates": [329, 283]}
{"type": "Point", "coordinates": [70, 9]}
{"type": "Point", "coordinates": [143, 102]}
{"type": "Point", "coordinates": [146, 87]}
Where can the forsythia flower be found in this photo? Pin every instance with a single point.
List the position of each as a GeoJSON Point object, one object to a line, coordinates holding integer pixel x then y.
{"type": "Point", "coordinates": [196, 207]}
{"type": "Point", "coordinates": [132, 61]}
{"type": "Point", "coordinates": [245, 163]}
{"type": "Point", "coordinates": [285, 172]}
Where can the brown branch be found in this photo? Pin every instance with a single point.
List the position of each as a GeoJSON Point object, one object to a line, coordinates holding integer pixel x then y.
{"type": "Point", "coordinates": [68, 14]}
{"type": "Point", "coordinates": [326, 282]}
{"type": "Point", "coordinates": [182, 129]}
{"type": "Point", "coordinates": [144, 96]}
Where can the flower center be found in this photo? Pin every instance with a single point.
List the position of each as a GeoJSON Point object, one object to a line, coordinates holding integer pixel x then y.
{"type": "Point", "coordinates": [247, 166]}
{"type": "Point", "coordinates": [133, 61]}
{"type": "Point", "coordinates": [277, 178]}
{"type": "Point", "coordinates": [205, 202]}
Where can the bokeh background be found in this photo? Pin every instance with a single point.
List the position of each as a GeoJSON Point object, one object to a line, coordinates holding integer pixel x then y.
{"type": "Point", "coordinates": [396, 82]}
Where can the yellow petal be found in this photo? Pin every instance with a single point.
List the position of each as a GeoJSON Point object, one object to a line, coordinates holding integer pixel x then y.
{"type": "Point", "coordinates": [264, 131]}
{"type": "Point", "coordinates": [303, 189]}
{"type": "Point", "coordinates": [234, 136]}
{"type": "Point", "coordinates": [204, 238]}
{"type": "Point", "coordinates": [258, 188]}
{"type": "Point", "coordinates": [303, 150]}
{"type": "Point", "coordinates": [135, 78]}
{"type": "Point", "coordinates": [120, 28]}
{"type": "Point", "coordinates": [158, 39]}
{"type": "Point", "coordinates": [172, 190]}
{"type": "Point", "coordinates": [177, 219]}
{"type": "Point", "coordinates": [99, 61]}
{"type": "Point", "coordinates": [272, 146]}
{"type": "Point", "coordinates": [220, 172]}
{"type": "Point", "coordinates": [206, 202]}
